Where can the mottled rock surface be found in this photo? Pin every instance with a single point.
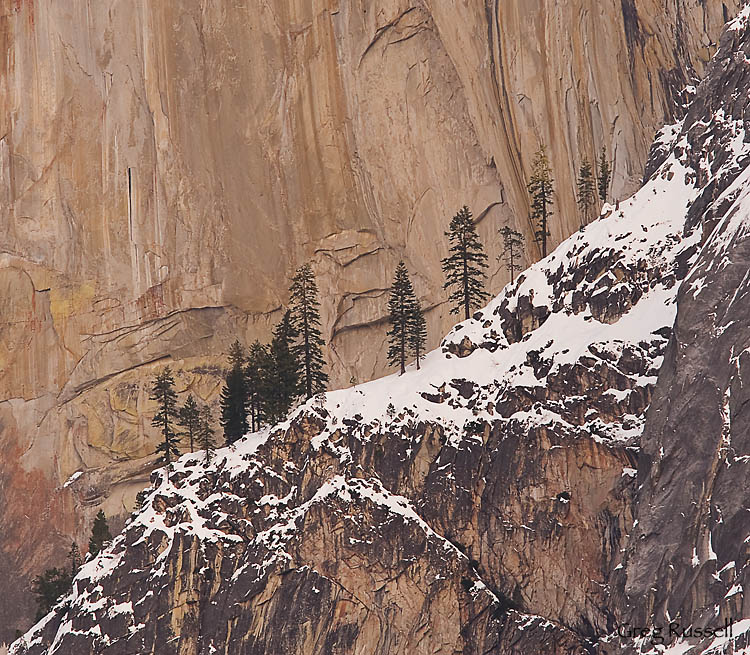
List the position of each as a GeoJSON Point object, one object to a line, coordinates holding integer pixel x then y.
{"type": "Point", "coordinates": [481, 504]}
{"type": "Point", "coordinates": [688, 557]}
{"type": "Point", "coordinates": [164, 167]}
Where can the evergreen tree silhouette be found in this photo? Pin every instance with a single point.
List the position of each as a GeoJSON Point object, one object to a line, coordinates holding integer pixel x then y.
{"type": "Point", "coordinates": [465, 264]}
{"type": "Point", "coordinates": [512, 250]}
{"type": "Point", "coordinates": [206, 434]}
{"type": "Point", "coordinates": [253, 383]}
{"type": "Point", "coordinates": [162, 391]}
{"type": "Point", "coordinates": [48, 588]}
{"type": "Point", "coordinates": [585, 192]}
{"type": "Point", "coordinates": [306, 314]}
{"type": "Point", "coordinates": [234, 398]}
{"type": "Point", "coordinates": [285, 369]}
{"type": "Point", "coordinates": [100, 534]}
{"type": "Point", "coordinates": [541, 190]}
{"type": "Point", "coordinates": [605, 175]}
{"type": "Point", "coordinates": [188, 416]}
{"type": "Point", "coordinates": [402, 307]}
{"type": "Point", "coordinates": [417, 330]}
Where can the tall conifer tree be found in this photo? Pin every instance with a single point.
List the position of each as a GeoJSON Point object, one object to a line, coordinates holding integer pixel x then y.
{"type": "Point", "coordinates": [49, 588]}
{"type": "Point", "coordinates": [162, 391]}
{"type": "Point", "coordinates": [401, 310]}
{"type": "Point", "coordinates": [253, 383]}
{"type": "Point", "coordinates": [512, 250]}
{"type": "Point", "coordinates": [605, 174]}
{"type": "Point", "coordinates": [206, 433]}
{"type": "Point", "coordinates": [306, 315]}
{"type": "Point", "coordinates": [233, 399]}
{"type": "Point", "coordinates": [188, 416]}
{"type": "Point", "coordinates": [585, 192]}
{"type": "Point", "coordinates": [285, 369]}
{"type": "Point", "coordinates": [541, 189]}
{"type": "Point", "coordinates": [417, 330]}
{"type": "Point", "coordinates": [266, 367]}
{"type": "Point", "coordinates": [100, 534]}
{"type": "Point", "coordinates": [465, 264]}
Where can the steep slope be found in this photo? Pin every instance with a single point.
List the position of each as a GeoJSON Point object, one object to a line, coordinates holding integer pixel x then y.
{"type": "Point", "coordinates": [687, 558]}
{"type": "Point", "coordinates": [165, 166]}
{"type": "Point", "coordinates": [479, 504]}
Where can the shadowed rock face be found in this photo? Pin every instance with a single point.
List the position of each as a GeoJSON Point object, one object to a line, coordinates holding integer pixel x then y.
{"type": "Point", "coordinates": [687, 559]}
{"type": "Point", "coordinates": [481, 504]}
{"type": "Point", "coordinates": [164, 167]}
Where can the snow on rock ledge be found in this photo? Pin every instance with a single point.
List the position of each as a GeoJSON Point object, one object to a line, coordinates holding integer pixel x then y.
{"type": "Point", "coordinates": [452, 507]}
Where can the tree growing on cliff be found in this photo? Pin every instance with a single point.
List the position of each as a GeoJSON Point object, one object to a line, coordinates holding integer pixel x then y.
{"type": "Point", "coordinates": [163, 393]}
{"type": "Point", "coordinates": [283, 370]}
{"type": "Point", "coordinates": [512, 250]}
{"type": "Point", "coordinates": [188, 416]}
{"type": "Point", "coordinates": [100, 534]}
{"type": "Point", "coordinates": [605, 175]}
{"type": "Point", "coordinates": [585, 192]}
{"type": "Point", "coordinates": [48, 588]}
{"type": "Point", "coordinates": [234, 398]}
{"type": "Point", "coordinates": [261, 368]}
{"type": "Point", "coordinates": [54, 583]}
{"type": "Point", "coordinates": [306, 314]}
{"type": "Point", "coordinates": [206, 433]}
{"type": "Point", "coordinates": [254, 384]}
{"type": "Point", "coordinates": [401, 315]}
{"type": "Point", "coordinates": [465, 264]}
{"type": "Point", "coordinates": [417, 331]}
{"type": "Point", "coordinates": [541, 189]}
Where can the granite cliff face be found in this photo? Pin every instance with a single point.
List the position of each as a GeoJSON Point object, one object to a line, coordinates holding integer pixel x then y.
{"type": "Point", "coordinates": [688, 559]}
{"type": "Point", "coordinates": [532, 488]}
{"type": "Point", "coordinates": [164, 167]}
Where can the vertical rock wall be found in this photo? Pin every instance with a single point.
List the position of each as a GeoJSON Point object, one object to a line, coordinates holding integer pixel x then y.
{"type": "Point", "coordinates": [164, 167]}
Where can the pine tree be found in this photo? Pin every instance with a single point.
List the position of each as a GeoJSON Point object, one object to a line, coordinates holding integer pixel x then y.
{"type": "Point", "coordinates": [234, 398]}
{"type": "Point", "coordinates": [401, 310]}
{"type": "Point", "coordinates": [74, 556]}
{"type": "Point", "coordinates": [285, 368]}
{"type": "Point", "coordinates": [188, 416]}
{"type": "Point", "coordinates": [417, 330]}
{"type": "Point", "coordinates": [48, 589]}
{"type": "Point", "coordinates": [465, 264]}
{"type": "Point", "coordinates": [585, 192]}
{"type": "Point", "coordinates": [605, 175]}
{"type": "Point", "coordinates": [254, 384]}
{"type": "Point", "coordinates": [206, 433]}
{"type": "Point", "coordinates": [541, 190]}
{"type": "Point", "coordinates": [100, 534]}
{"type": "Point", "coordinates": [306, 315]}
{"type": "Point", "coordinates": [252, 388]}
{"type": "Point", "coordinates": [236, 354]}
{"type": "Point", "coordinates": [163, 393]}
{"type": "Point", "coordinates": [512, 250]}
{"type": "Point", "coordinates": [266, 367]}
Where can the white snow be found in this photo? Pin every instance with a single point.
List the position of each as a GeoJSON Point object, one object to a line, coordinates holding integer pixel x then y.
{"type": "Point", "coordinates": [72, 478]}
{"type": "Point", "coordinates": [644, 235]}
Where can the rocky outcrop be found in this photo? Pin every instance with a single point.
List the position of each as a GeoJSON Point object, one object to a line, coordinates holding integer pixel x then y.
{"type": "Point", "coordinates": [481, 503]}
{"type": "Point", "coordinates": [165, 167]}
{"type": "Point", "coordinates": [687, 560]}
